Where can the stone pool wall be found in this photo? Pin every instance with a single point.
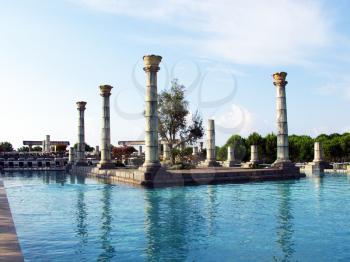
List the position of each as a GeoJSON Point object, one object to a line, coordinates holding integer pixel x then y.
{"type": "Point", "coordinates": [10, 249]}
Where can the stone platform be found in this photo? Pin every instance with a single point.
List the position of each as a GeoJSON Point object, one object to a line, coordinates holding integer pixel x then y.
{"type": "Point", "coordinates": [10, 249]}
{"type": "Point", "coordinates": [199, 176]}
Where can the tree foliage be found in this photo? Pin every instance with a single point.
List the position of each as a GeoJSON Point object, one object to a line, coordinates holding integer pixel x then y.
{"type": "Point", "coordinates": [173, 124]}
{"type": "Point", "coordinates": [6, 147]}
{"type": "Point", "coordinates": [87, 147]}
{"type": "Point", "coordinates": [119, 152]}
{"type": "Point", "coordinates": [336, 147]}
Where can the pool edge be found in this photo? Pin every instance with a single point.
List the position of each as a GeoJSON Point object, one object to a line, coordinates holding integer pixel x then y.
{"type": "Point", "coordinates": [10, 249]}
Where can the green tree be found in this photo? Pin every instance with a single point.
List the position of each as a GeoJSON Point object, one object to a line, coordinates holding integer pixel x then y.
{"type": "Point", "coordinates": [6, 147]}
{"type": "Point", "coordinates": [37, 149]}
{"type": "Point", "coordinates": [87, 147]}
{"type": "Point", "coordinates": [173, 126]}
{"type": "Point", "coordinates": [239, 147]}
{"type": "Point", "coordinates": [270, 150]}
{"type": "Point", "coordinates": [23, 149]}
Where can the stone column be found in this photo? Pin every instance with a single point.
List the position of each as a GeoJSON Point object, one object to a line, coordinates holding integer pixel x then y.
{"type": "Point", "coordinates": [166, 152]}
{"type": "Point", "coordinates": [105, 162]}
{"type": "Point", "coordinates": [151, 68]}
{"type": "Point", "coordinates": [47, 144]}
{"type": "Point", "coordinates": [80, 153]}
{"type": "Point", "coordinates": [318, 152]}
{"type": "Point", "coordinates": [71, 155]}
{"type": "Point", "coordinates": [195, 151]}
{"type": "Point", "coordinates": [140, 150]}
{"type": "Point", "coordinates": [211, 154]}
{"type": "Point", "coordinates": [254, 157]}
{"type": "Point", "coordinates": [97, 151]}
{"type": "Point", "coordinates": [282, 126]}
{"type": "Point", "coordinates": [231, 161]}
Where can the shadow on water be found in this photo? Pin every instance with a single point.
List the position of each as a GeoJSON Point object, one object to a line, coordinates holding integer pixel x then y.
{"type": "Point", "coordinates": [166, 225]}
{"type": "Point", "coordinates": [284, 218]}
{"type": "Point", "coordinates": [81, 217]}
{"type": "Point", "coordinates": [108, 251]}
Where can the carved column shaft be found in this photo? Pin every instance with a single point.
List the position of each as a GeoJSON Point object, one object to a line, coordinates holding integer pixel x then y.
{"type": "Point", "coordinates": [318, 152]}
{"type": "Point", "coordinates": [71, 155]}
{"type": "Point", "coordinates": [211, 141]}
{"type": "Point", "coordinates": [230, 153]}
{"type": "Point", "coordinates": [281, 119]}
{"type": "Point", "coordinates": [254, 157]}
{"type": "Point", "coordinates": [151, 68]}
{"type": "Point", "coordinates": [105, 92]}
{"type": "Point", "coordinates": [80, 152]}
{"type": "Point", "coordinates": [166, 152]}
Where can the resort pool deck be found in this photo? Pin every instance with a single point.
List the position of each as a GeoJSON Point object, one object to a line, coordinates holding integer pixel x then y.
{"type": "Point", "coordinates": [60, 217]}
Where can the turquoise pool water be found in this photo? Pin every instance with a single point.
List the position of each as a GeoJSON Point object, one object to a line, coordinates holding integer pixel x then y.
{"type": "Point", "coordinates": [65, 218]}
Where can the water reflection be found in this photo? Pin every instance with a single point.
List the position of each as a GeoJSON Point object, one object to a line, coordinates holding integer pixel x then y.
{"type": "Point", "coordinates": [285, 224]}
{"type": "Point", "coordinates": [166, 225]}
{"type": "Point", "coordinates": [108, 251]}
{"type": "Point", "coordinates": [212, 208]}
{"type": "Point", "coordinates": [81, 216]}
{"type": "Point", "coordinates": [53, 177]}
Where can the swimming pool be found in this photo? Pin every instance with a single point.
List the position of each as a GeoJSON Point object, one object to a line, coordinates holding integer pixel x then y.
{"type": "Point", "coordinates": [66, 218]}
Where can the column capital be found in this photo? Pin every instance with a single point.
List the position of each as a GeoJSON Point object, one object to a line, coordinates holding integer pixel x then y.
{"type": "Point", "coordinates": [151, 62]}
{"type": "Point", "coordinates": [81, 105]}
{"type": "Point", "coordinates": [279, 79]}
{"type": "Point", "coordinates": [105, 90]}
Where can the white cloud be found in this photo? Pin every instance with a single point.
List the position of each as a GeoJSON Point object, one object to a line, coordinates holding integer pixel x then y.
{"type": "Point", "coordinates": [239, 120]}
{"type": "Point", "coordinates": [243, 31]}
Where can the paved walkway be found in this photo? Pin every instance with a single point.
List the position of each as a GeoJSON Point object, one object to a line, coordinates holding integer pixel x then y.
{"type": "Point", "coordinates": [10, 249]}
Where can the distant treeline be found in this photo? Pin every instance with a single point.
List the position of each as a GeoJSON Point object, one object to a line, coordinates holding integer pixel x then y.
{"type": "Point", "coordinates": [336, 147]}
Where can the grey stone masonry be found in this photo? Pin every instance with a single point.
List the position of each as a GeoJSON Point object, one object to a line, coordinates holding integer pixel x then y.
{"type": "Point", "coordinates": [281, 119]}
{"type": "Point", "coordinates": [151, 67]}
{"type": "Point", "coordinates": [254, 157]}
{"type": "Point", "coordinates": [71, 155]}
{"type": "Point", "coordinates": [211, 150]}
{"type": "Point", "coordinates": [231, 159]}
{"type": "Point", "coordinates": [318, 152]}
{"type": "Point", "coordinates": [166, 152]}
{"type": "Point", "coordinates": [105, 162]}
{"type": "Point", "coordinates": [80, 154]}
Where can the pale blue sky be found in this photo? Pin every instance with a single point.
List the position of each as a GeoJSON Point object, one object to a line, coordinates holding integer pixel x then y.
{"type": "Point", "coordinates": [54, 53]}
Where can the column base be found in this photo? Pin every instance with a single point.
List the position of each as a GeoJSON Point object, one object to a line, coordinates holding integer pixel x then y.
{"type": "Point", "coordinates": [231, 163]}
{"type": "Point", "coordinates": [109, 165]}
{"type": "Point", "coordinates": [251, 164]}
{"type": "Point", "coordinates": [150, 167]}
{"type": "Point", "coordinates": [211, 163]}
{"type": "Point", "coordinates": [283, 164]}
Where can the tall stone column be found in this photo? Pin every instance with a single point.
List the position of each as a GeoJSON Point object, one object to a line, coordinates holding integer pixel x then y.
{"type": "Point", "coordinates": [282, 125]}
{"type": "Point", "coordinates": [151, 68]}
{"type": "Point", "coordinates": [80, 153]}
{"type": "Point", "coordinates": [318, 152]}
{"type": "Point", "coordinates": [211, 151]}
{"type": "Point", "coordinates": [105, 162]}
